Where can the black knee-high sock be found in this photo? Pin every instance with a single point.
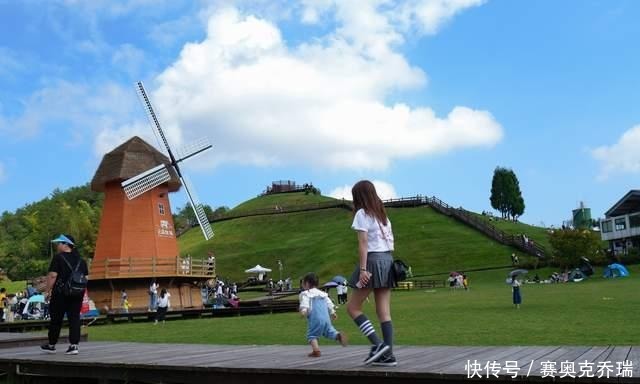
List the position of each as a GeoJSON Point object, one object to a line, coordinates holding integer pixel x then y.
{"type": "Point", "coordinates": [387, 333]}
{"type": "Point", "coordinates": [367, 329]}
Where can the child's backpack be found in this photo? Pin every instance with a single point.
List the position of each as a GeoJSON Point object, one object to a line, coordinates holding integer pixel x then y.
{"type": "Point", "coordinates": [76, 283]}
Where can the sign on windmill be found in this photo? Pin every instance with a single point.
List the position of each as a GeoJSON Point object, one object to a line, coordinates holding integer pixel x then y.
{"type": "Point", "coordinates": [155, 176]}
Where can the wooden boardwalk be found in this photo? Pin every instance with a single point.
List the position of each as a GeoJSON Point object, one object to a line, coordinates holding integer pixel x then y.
{"type": "Point", "coordinates": [110, 362]}
{"type": "Point", "coordinates": [13, 340]}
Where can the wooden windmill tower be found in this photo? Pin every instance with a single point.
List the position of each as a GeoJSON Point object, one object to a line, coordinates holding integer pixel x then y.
{"type": "Point", "coordinates": [137, 241]}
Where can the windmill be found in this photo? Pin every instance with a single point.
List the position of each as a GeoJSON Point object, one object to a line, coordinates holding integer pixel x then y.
{"type": "Point", "coordinates": [155, 176]}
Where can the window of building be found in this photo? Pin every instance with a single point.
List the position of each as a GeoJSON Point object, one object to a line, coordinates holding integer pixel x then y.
{"type": "Point", "coordinates": [607, 226]}
{"type": "Point", "coordinates": [161, 208]}
{"type": "Point", "coordinates": [634, 221]}
{"type": "Point", "coordinates": [621, 224]}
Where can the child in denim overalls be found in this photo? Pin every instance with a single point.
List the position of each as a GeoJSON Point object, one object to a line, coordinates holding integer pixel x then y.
{"type": "Point", "coordinates": [316, 306]}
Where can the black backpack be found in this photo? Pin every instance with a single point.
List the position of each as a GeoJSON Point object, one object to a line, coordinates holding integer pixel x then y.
{"type": "Point", "coordinates": [76, 283]}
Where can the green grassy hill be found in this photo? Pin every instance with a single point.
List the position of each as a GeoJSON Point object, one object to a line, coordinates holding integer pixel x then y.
{"type": "Point", "coordinates": [322, 241]}
{"type": "Point", "coordinates": [537, 234]}
{"type": "Point", "coordinates": [284, 200]}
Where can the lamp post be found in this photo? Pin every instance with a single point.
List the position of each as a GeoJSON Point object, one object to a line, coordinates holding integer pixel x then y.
{"type": "Point", "coordinates": [280, 268]}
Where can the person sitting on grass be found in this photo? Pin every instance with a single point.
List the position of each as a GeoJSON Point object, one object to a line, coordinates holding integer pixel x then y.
{"type": "Point", "coordinates": [316, 306]}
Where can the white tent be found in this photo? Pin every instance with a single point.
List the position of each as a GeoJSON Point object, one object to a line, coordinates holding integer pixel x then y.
{"type": "Point", "coordinates": [258, 269]}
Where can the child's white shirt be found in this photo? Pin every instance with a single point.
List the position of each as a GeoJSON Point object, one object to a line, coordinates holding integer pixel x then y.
{"type": "Point", "coordinates": [306, 296]}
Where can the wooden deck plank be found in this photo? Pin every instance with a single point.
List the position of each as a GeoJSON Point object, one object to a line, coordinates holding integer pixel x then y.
{"type": "Point", "coordinates": [497, 354]}
{"type": "Point", "coordinates": [442, 357]}
{"type": "Point", "coordinates": [634, 357]}
{"type": "Point", "coordinates": [201, 360]}
{"type": "Point", "coordinates": [553, 362]}
{"type": "Point", "coordinates": [522, 356]}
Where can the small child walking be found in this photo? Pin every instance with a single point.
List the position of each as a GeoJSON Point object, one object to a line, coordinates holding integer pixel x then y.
{"type": "Point", "coordinates": [317, 307]}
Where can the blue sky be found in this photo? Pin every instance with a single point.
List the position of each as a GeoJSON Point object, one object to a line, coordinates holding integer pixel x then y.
{"type": "Point", "coordinates": [423, 96]}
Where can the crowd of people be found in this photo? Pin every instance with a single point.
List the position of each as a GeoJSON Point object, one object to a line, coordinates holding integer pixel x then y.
{"type": "Point", "coordinates": [16, 306]}
{"type": "Point", "coordinates": [458, 280]}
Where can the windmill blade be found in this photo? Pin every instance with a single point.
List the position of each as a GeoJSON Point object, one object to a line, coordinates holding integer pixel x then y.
{"type": "Point", "coordinates": [145, 181]}
{"type": "Point", "coordinates": [198, 210]}
{"type": "Point", "coordinates": [193, 149]}
{"type": "Point", "coordinates": [153, 118]}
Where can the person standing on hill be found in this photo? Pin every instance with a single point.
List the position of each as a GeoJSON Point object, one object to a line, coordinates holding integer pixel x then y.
{"type": "Point", "coordinates": [375, 247]}
{"type": "Point", "coordinates": [64, 267]}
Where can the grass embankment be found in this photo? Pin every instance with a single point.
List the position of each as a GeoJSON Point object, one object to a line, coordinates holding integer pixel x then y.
{"type": "Point", "coordinates": [283, 200]}
{"type": "Point", "coordinates": [322, 241]}
{"type": "Point", "coordinates": [13, 286]}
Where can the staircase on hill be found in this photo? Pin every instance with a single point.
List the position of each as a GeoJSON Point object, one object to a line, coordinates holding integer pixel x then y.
{"type": "Point", "coordinates": [471, 220]}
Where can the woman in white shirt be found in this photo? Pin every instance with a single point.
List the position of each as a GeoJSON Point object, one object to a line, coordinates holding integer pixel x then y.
{"type": "Point", "coordinates": [163, 305]}
{"type": "Point", "coordinates": [375, 247]}
{"type": "Point", "coordinates": [515, 290]}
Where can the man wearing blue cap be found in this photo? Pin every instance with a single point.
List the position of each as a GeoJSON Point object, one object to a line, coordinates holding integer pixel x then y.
{"type": "Point", "coordinates": [62, 267]}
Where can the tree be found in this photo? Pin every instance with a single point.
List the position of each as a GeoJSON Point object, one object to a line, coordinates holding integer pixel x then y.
{"type": "Point", "coordinates": [569, 245]}
{"type": "Point", "coordinates": [506, 196]}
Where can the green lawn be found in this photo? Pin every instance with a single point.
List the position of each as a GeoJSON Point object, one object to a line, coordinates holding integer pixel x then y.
{"type": "Point", "coordinates": [595, 312]}
{"type": "Point", "coordinates": [13, 286]}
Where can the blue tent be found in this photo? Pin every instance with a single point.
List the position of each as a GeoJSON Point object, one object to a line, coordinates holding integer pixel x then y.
{"type": "Point", "coordinates": [615, 270]}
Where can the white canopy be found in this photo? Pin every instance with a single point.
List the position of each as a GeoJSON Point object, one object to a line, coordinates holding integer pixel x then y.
{"type": "Point", "coordinates": [258, 269]}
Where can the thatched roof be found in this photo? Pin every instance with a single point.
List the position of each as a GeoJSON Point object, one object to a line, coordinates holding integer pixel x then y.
{"type": "Point", "coordinates": [130, 159]}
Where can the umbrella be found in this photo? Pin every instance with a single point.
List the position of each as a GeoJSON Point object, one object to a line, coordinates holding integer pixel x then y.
{"type": "Point", "coordinates": [36, 299]}
{"type": "Point", "coordinates": [517, 272]}
{"type": "Point", "coordinates": [339, 279]}
{"type": "Point", "coordinates": [33, 300]}
{"type": "Point", "coordinates": [258, 269]}
{"type": "Point", "coordinates": [330, 284]}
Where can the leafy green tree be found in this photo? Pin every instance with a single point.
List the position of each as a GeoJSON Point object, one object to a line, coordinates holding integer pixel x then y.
{"type": "Point", "coordinates": [506, 196]}
{"type": "Point", "coordinates": [221, 211]}
{"type": "Point", "coordinates": [569, 245]}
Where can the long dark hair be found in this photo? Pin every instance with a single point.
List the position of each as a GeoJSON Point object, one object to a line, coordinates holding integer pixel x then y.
{"type": "Point", "coordinates": [163, 292]}
{"type": "Point", "coordinates": [365, 197]}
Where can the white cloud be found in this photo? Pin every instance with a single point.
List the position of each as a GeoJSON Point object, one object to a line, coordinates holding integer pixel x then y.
{"type": "Point", "coordinates": [385, 191]}
{"type": "Point", "coordinates": [3, 174]}
{"type": "Point", "coordinates": [321, 102]}
{"type": "Point", "coordinates": [107, 112]}
{"type": "Point", "coordinates": [429, 16]}
{"type": "Point", "coordinates": [621, 157]}
{"type": "Point", "coordinates": [10, 63]}
{"type": "Point", "coordinates": [129, 59]}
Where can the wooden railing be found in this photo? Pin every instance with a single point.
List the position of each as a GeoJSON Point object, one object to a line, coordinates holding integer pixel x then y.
{"type": "Point", "coordinates": [150, 267]}
{"type": "Point", "coordinates": [277, 209]}
{"type": "Point", "coordinates": [489, 230]}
